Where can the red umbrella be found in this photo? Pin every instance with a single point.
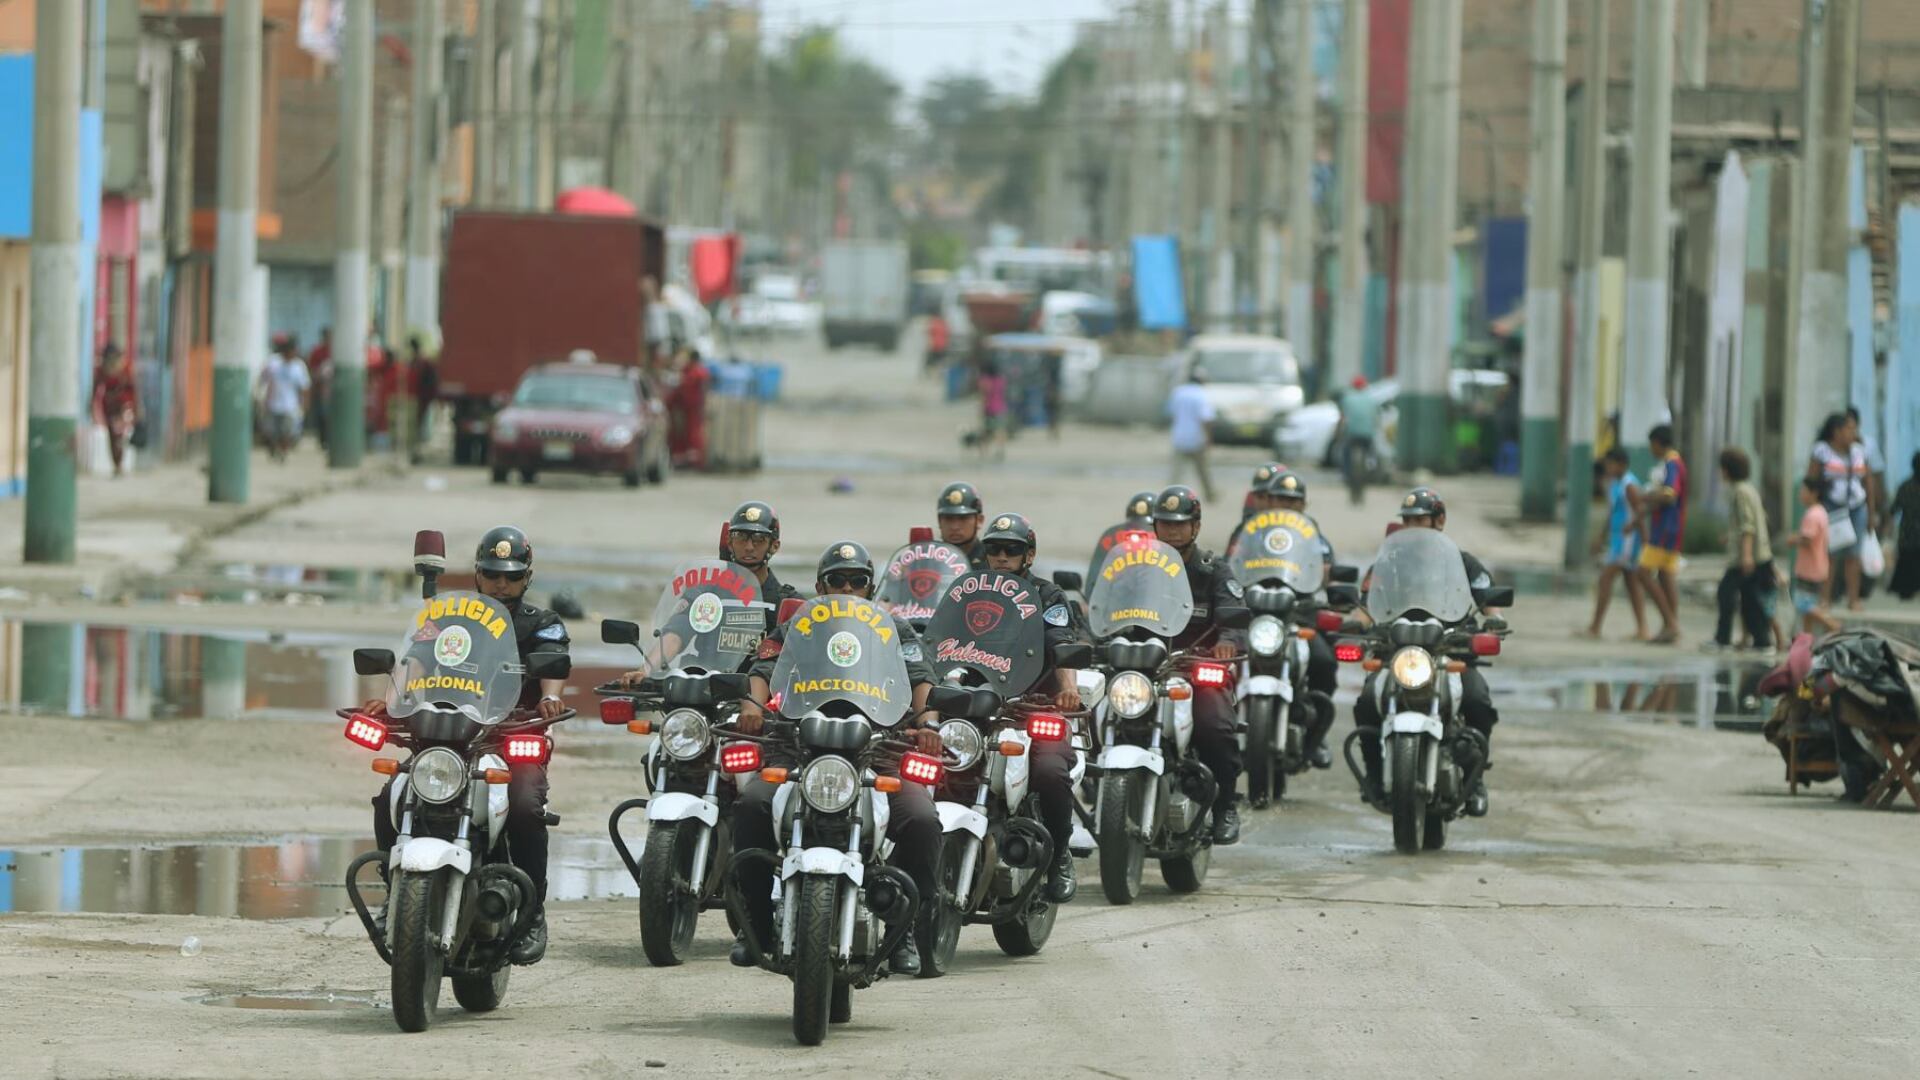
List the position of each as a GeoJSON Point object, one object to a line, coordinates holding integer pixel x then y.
{"type": "Point", "coordinates": [596, 201]}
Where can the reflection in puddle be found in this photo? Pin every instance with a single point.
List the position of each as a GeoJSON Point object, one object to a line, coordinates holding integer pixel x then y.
{"type": "Point", "coordinates": [294, 1001]}
{"type": "Point", "coordinates": [1719, 697]}
{"type": "Point", "coordinates": [298, 878]}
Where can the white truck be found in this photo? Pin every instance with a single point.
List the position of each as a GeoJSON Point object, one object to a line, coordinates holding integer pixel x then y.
{"type": "Point", "coordinates": [864, 292]}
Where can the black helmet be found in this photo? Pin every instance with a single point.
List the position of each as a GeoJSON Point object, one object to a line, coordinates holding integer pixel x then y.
{"type": "Point", "coordinates": [504, 549]}
{"type": "Point", "coordinates": [843, 555]}
{"type": "Point", "coordinates": [1140, 506]}
{"type": "Point", "coordinates": [959, 499]}
{"type": "Point", "coordinates": [1265, 473]}
{"type": "Point", "coordinates": [1014, 527]}
{"type": "Point", "coordinates": [1177, 503]}
{"type": "Point", "coordinates": [1422, 501]}
{"type": "Point", "coordinates": [1286, 484]}
{"type": "Point", "coordinates": [755, 517]}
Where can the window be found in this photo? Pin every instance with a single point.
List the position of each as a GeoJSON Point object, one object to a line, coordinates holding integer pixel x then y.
{"type": "Point", "coordinates": [585, 393]}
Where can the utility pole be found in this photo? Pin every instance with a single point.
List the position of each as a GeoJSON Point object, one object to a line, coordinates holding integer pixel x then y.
{"type": "Point", "coordinates": [542, 103]}
{"type": "Point", "coordinates": [347, 417]}
{"type": "Point", "coordinates": [1220, 219]}
{"type": "Point", "coordinates": [53, 388]}
{"type": "Point", "coordinates": [520, 103]}
{"type": "Point", "coordinates": [486, 61]}
{"type": "Point", "coordinates": [1581, 416]}
{"type": "Point", "coordinates": [1695, 33]}
{"type": "Point", "coordinates": [1645, 394]}
{"type": "Point", "coordinates": [1540, 379]}
{"type": "Point", "coordinates": [1413, 165]}
{"type": "Point", "coordinates": [1423, 399]}
{"type": "Point", "coordinates": [423, 205]}
{"type": "Point", "coordinates": [1253, 228]}
{"type": "Point", "coordinates": [1350, 310]}
{"type": "Point", "coordinates": [562, 86]}
{"type": "Point", "coordinates": [1303, 142]}
{"type": "Point", "coordinates": [393, 237]}
{"type": "Point", "coordinates": [234, 321]}
{"type": "Point", "coordinates": [1827, 155]}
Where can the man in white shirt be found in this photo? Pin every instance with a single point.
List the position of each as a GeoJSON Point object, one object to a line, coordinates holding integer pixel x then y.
{"type": "Point", "coordinates": [1192, 416]}
{"type": "Point", "coordinates": [285, 383]}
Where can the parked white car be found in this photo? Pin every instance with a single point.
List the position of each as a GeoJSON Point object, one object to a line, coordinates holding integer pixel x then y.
{"type": "Point", "coordinates": [776, 306]}
{"type": "Point", "coordinates": [1252, 381]}
{"type": "Point", "coordinates": [1306, 437]}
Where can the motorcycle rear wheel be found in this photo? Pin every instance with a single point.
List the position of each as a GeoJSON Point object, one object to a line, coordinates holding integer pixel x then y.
{"type": "Point", "coordinates": [1028, 934]}
{"type": "Point", "coordinates": [481, 993]}
{"type": "Point", "coordinates": [938, 929]}
{"type": "Point", "coordinates": [417, 960]}
{"type": "Point", "coordinates": [669, 912]}
{"type": "Point", "coordinates": [813, 958]}
{"type": "Point", "coordinates": [1123, 855]}
{"type": "Point", "coordinates": [1409, 809]}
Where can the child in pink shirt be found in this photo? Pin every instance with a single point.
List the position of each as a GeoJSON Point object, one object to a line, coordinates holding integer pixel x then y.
{"type": "Point", "coordinates": [1810, 563]}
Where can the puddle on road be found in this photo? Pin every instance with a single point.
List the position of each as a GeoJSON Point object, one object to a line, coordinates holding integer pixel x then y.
{"type": "Point", "coordinates": [293, 1001]}
{"type": "Point", "coordinates": [1711, 696]}
{"type": "Point", "coordinates": [288, 879]}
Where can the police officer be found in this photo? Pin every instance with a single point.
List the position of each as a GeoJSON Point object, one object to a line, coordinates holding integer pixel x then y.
{"type": "Point", "coordinates": [753, 539]}
{"type": "Point", "coordinates": [961, 514]}
{"type": "Point", "coordinates": [1176, 521]}
{"type": "Point", "coordinates": [1011, 545]}
{"type": "Point", "coordinates": [1287, 490]}
{"type": "Point", "coordinates": [845, 569]}
{"type": "Point", "coordinates": [1258, 497]}
{"type": "Point", "coordinates": [1140, 509]}
{"type": "Point", "coordinates": [503, 570]}
{"type": "Point", "coordinates": [1423, 508]}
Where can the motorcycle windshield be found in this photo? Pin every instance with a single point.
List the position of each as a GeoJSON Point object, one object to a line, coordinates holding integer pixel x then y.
{"type": "Point", "coordinates": [459, 657]}
{"type": "Point", "coordinates": [1418, 572]}
{"type": "Point", "coordinates": [1141, 585]}
{"type": "Point", "coordinates": [911, 584]}
{"type": "Point", "coordinates": [989, 624]}
{"type": "Point", "coordinates": [1279, 547]}
{"type": "Point", "coordinates": [709, 618]}
{"type": "Point", "coordinates": [843, 650]}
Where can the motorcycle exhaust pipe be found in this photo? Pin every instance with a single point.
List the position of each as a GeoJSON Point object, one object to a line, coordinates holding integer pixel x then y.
{"type": "Point", "coordinates": [494, 909]}
{"type": "Point", "coordinates": [886, 900]}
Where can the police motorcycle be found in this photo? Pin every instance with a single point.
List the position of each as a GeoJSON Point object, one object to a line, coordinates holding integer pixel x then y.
{"type": "Point", "coordinates": [1154, 797]}
{"type": "Point", "coordinates": [1277, 559]}
{"type": "Point", "coordinates": [916, 575]}
{"type": "Point", "coordinates": [455, 904]}
{"type": "Point", "coordinates": [840, 689]}
{"type": "Point", "coordinates": [708, 623]}
{"type": "Point", "coordinates": [989, 642]}
{"type": "Point", "coordinates": [1424, 632]}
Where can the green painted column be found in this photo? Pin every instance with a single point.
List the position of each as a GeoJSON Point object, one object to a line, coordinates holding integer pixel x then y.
{"type": "Point", "coordinates": [46, 666]}
{"type": "Point", "coordinates": [237, 329]}
{"type": "Point", "coordinates": [53, 392]}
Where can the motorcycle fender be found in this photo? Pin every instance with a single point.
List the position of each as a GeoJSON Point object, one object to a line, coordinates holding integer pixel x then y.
{"type": "Point", "coordinates": [425, 854]}
{"type": "Point", "coordinates": [1121, 758]}
{"type": "Point", "coordinates": [782, 796]}
{"type": "Point", "coordinates": [882, 814]}
{"type": "Point", "coordinates": [679, 806]}
{"type": "Point", "coordinates": [822, 860]}
{"type": "Point", "coordinates": [1266, 686]}
{"type": "Point", "coordinates": [954, 818]}
{"type": "Point", "coordinates": [1412, 723]}
{"type": "Point", "coordinates": [496, 801]}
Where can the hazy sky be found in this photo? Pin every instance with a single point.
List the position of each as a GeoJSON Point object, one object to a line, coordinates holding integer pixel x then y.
{"type": "Point", "coordinates": [1008, 41]}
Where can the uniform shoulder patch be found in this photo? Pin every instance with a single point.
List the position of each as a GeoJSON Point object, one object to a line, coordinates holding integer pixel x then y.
{"type": "Point", "coordinates": [1057, 615]}
{"type": "Point", "coordinates": [769, 649]}
{"type": "Point", "coordinates": [1235, 589]}
{"type": "Point", "coordinates": [555, 632]}
{"type": "Point", "coordinates": [912, 652]}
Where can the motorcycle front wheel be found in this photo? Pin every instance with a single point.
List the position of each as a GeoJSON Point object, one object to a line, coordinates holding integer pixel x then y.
{"type": "Point", "coordinates": [938, 928]}
{"type": "Point", "coordinates": [813, 941]}
{"type": "Point", "coordinates": [669, 912]}
{"type": "Point", "coordinates": [417, 960]}
{"type": "Point", "coordinates": [1265, 780]}
{"type": "Point", "coordinates": [1123, 851]}
{"type": "Point", "coordinates": [1409, 807]}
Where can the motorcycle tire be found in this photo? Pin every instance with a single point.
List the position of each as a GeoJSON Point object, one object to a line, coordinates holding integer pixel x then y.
{"type": "Point", "coordinates": [417, 960]}
{"type": "Point", "coordinates": [669, 912]}
{"type": "Point", "coordinates": [841, 1011]}
{"type": "Point", "coordinates": [1435, 837]}
{"type": "Point", "coordinates": [938, 929]}
{"type": "Point", "coordinates": [1409, 809]}
{"type": "Point", "coordinates": [481, 993]}
{"type": "Point", "coordinates": [1028, 934]}
{"type": "Point", "coordinates": [813, 949]}
{"type": "Point", "coordinates": [1187, 873]}
{"type": "Point", "coordinates": [1264, 780]}
{"type": "Point", "coordinates": [1123, 855]}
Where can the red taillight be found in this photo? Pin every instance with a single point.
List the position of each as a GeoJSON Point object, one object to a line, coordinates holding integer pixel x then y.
{"type": "Point", "coordinates": [616, 711]}
{"type": "Point", "coordinates": [527, 749]}
{"type": "Point", "coordinates": [1348, 652]}
{"type": "Point", "coordinates": [1486, 644]}
{"type": "Point", "coordinates": [740, 757]}
{"type": "Point", "coordinates": [366, 731]}
{"type": "Point", "coordinates": [1330, 621]}
{"type": "Point", "coordinates": [1210, 674]}
{"type": "Point", "coordinates": [921, 769]}
{"type": "Point", "coordinates": [1047, 727]}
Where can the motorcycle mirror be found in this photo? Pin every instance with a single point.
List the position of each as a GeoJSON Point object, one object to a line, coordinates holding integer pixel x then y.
{"type": "Point", "coordinates": [984, 704]}
{"type": "Point", "coordinates": [1499, 596]}
{"type": "Point", "coordinates": [1069, 580]}
{"type": "Point", "coordinates": [1343, 595]}
{"type": "Point", "coordinates": [1073, 656]}
{"type": "Point", "coordinates": [1345, 575]}
{"type": "Point", "coordinates": [1233, 618]}
{"type": "Point", "coordinates": [950, 700]}
{"type": "Point", "coordinates": [619, 632]}
{"type": "Point", "coordinates": [729, 685]}
{"type": "Point", "coordinates": [370, 662]}
{"type": "Point", "coordinates": [548, 665]}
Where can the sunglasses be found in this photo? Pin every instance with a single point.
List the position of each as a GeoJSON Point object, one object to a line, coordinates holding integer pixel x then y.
{"type": "Point", "coordinates": [504, 575]}
{"type": "Point", "coordinates": [848, 579]}
{"type": "Point", "coordinates": [1006, 549]}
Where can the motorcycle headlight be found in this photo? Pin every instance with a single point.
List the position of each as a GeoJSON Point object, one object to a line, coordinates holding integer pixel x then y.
{"type": "Point", "coordinates": [829, 784]}
{"type": "Point", "coordinates": [963, 741]}
{"type": "Point", "coordinates": [1413, 668]}
{"type": "Point", "coordinates": [684, 735]}
{"type": "Point", "coordinates": [438, 775]}
{"type": "Point", "coordinates": [1131, 694]}
{"type": "Point", "coordinates": [1265, 635]}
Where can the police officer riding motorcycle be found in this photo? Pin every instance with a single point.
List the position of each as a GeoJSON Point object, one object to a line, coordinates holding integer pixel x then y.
{"type": "Point", "coordinates": [751, 538]}
{"type": "Point", "coordinates": [961, 515]}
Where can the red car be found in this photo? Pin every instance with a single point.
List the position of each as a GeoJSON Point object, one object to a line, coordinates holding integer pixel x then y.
{"type": "Point", "coordinates": [585, 418]}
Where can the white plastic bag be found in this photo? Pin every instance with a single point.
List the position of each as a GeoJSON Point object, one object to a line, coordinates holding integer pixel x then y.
{"type": "Point", "coordinates": [1873, 561]}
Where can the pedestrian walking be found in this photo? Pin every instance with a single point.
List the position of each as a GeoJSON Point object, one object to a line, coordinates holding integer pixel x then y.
{"type": "Point", "coordinates": [116, 398]}
{"type": "Point", "coordinates": [1192, 415]}
{"type": "Point", "coordinates": [1664, 513]}
{"type": "Point", "coordinates": [1906, 549]}
{"type": "Point", "coordinates": [1812, 559]}
{"type": "Point", "coordinates": [1839, 461]}
{"type": "Point", "coordinates": [423, 382]}
{"type": "Point", "coordinates": [320, 369]}
{"type": "Point", "coordinates": [1354, 435]}
{"type": "Point", "coordinates": [1748, 584]}
{"type": "Point", "coordinates": [1620, 545]}
{"type": "Point", "coordinates": [285, 384]}
{"type": "Point", "coordinates": [992, 385]}
{"type": "Point", "coordinates": [1050, 377]}
{"type": "Point", "coordinates": [687, 404]}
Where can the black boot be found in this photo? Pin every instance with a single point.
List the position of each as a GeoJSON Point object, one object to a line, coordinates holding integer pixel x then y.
{"type": "Point", "coordinates": [1477, 798]}
{"type": "Point", "coordinates": [532, 945]}
{"type": "Point", "coordinates": [1060, 883]}
{"type": "Point", "coordinates": [1372, 791]}
{"type": "Point", "coordinates": [738, 956]}
{"type": "Point", "coordinates": [905, 959]}
{"type": "Point", "coordinates": [1320, 757]}
{"type": "Point", "coordinates": [1226, 824]}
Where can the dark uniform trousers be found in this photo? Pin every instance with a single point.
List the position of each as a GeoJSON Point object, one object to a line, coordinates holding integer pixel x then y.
{"type": "Point", "coordinates": [1323, 676]}
{"type": "Point", "coordinates": [1215, 742]}
{"type": "Point", "coordinates": [1050, 777]}
{"type": "Point", "coordinates": [1476, 710]}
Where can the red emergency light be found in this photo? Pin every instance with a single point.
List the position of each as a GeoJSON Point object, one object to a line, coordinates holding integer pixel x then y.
{"type": "Point", "coordinates": [365, 731]}
{"type": "Point", "coordinates": [527, 749]}
{"type": "Point", "coordinates": [921, 769]}
{"type": "Point", "coordinates": [1349, 652]}
{"type": "Point", "coordinates": [1047, 727]}
{"type": "Point", "coordinates": [740, 758]}
{"type": "Point", "coordinates": [1210, 674]}
{"type": "Point", "coordinates": [616, 711]}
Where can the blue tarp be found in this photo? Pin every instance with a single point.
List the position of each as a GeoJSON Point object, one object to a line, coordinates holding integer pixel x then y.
{"type": "Point", "coordinates": [16, 147]}
{"type": "Point", "coordinates": [1158, 294]}
{"type": "Point", "coordinates": [1504, 267]}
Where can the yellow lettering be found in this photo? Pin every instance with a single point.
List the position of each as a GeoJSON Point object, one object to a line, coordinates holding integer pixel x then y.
{"type": "Point", "coordinates": [1136, 613]}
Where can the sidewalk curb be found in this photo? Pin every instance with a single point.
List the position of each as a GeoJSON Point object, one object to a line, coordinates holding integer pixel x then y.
{"type": "Point", "coordinates": [195, 543]}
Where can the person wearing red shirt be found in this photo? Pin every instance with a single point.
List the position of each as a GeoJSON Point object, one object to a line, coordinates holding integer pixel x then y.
{"type": "Point", "coordinates": [688, 406]}
{"type": "Point", "coordinates": [116, 398]}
